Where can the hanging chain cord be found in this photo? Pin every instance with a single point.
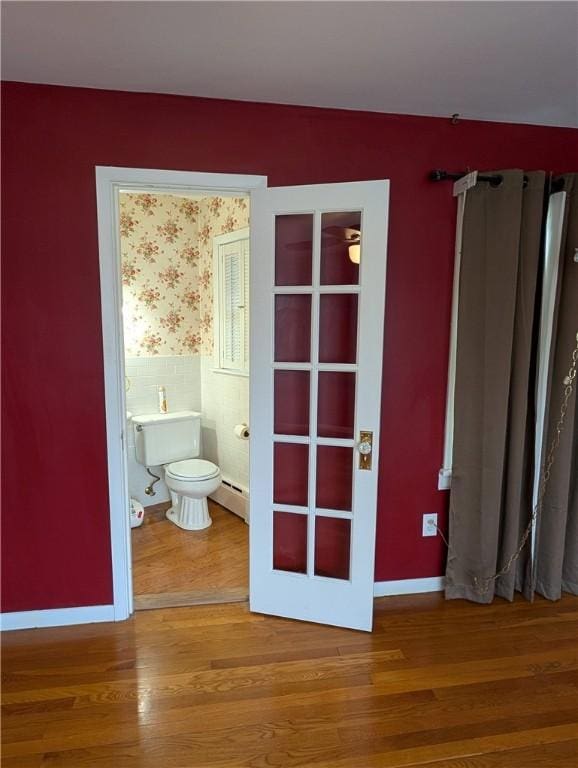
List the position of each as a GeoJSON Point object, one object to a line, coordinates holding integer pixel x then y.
{"type": "Point", "coordinates": [483, 584]}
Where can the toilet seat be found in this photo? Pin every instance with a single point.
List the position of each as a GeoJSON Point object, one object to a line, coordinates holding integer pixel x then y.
{"type": "Point", "coordinates": [192, 469]}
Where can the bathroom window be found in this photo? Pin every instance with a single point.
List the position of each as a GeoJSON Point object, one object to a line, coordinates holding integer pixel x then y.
{"type": "Point", "coordinates": [231, 270]}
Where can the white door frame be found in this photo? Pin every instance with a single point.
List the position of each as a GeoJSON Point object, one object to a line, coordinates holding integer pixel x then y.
{"type": "Point", "coordinates": [109, 180]}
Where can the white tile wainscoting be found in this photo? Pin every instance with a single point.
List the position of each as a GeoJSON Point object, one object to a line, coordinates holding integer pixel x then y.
{"type": "Point", "coordinates": [179, 374]}
{"type": "Point", "coordinates": [225, 400]}
{"type": "Point", "coordinates": [191, 384]}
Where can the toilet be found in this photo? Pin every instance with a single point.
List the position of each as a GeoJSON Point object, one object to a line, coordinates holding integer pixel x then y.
{"type": "Point", "coordinates": [173, 440]}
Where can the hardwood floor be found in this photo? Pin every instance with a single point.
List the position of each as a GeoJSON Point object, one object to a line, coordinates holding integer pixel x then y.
{"type": "Point", "coordinates": [437, 685]}
{"type": "Point", "coordinates": [172, 567]}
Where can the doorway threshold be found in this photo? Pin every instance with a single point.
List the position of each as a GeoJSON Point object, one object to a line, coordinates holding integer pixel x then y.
{"type": "Point", "coordinates": [193, 597]}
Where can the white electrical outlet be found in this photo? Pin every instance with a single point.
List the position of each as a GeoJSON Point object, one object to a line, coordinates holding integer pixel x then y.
{"type": "Point", "coordinates": [430, 521]}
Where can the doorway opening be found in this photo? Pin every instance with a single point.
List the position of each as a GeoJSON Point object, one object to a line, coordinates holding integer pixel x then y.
{"type": "Point", "coordinates": [185, 308]}
{"type": "Point", "coordinates": [176, 254]}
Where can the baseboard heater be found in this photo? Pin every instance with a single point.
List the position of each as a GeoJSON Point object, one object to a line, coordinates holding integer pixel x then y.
{"type": "Point", "coordinates": [233, 497]}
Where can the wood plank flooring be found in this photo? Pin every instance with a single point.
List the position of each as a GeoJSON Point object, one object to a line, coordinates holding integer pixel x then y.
{"type": "Point", "coordinates": [437, 685]}
{"type": "Point", "coordinates": [172, 567]}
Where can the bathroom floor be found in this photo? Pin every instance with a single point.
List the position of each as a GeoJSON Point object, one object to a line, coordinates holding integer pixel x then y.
{"type": "Point", "coordinates": [172, 567]}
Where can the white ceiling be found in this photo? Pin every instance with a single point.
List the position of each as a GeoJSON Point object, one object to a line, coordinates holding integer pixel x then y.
{"type": "Point", "coordinates": [510, 61]}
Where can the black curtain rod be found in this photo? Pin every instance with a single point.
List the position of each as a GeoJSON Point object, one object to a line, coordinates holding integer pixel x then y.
{"type": "Point", "coordinates": [438, 175]}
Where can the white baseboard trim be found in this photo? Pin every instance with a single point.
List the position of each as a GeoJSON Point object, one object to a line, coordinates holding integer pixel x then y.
{"type": "Point", "coordinates": [90, 614]}
{"type": "Point", "coordinates": [56, 617]}
{"type": "Point", "coordinates": [234, 498]}
{"type": "Point", "coordinates": [408, 586]}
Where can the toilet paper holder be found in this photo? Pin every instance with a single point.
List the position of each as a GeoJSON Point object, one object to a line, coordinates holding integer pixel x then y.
{"type": "Point", "coordinates": [242, 431]}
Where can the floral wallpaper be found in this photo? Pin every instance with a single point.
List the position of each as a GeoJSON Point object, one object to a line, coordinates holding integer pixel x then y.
{"type": "Point", "coordinates": [167, 269]}
{"type": "Point", "coordinates": [217, 215]}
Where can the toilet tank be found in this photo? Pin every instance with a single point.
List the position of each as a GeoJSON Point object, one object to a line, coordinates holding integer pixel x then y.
{"type": "Point", "coordinates": [161, 438]}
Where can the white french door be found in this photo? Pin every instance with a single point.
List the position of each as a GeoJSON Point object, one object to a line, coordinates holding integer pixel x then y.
{"type": "Point", "coordinates": [318, 260]}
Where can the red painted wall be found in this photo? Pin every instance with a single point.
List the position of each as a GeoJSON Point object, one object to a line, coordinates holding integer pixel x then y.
{"type": "Point", "coordinates": [55, 533]}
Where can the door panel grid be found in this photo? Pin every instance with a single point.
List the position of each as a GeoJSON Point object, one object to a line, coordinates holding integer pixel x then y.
{"type": "Point", "coordinates": [317, 321]}
{"type": "Point", "coordinates": [333, 341]}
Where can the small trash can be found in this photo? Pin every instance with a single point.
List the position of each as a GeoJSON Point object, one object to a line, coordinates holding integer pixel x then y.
{"type": "Point", "coordinates": [136, 513]}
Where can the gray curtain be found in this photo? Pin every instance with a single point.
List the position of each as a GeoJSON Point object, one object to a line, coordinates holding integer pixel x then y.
{"type": "Point", "coordinates": [491, 492]}
{"type": "Point", "coordinates": [557, 529]}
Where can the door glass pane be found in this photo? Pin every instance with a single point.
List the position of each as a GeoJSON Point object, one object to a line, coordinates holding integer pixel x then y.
{"type": "Point", "coordinates": [290, 542]}
{"type": "Point", "coordinates": [332, 547]}
{"type": "Point", "coordinates": [338, 328]}
{"type": "Point", "coordinates": [293, 328]}
{"type": "Point", "coordinates": [293, 249]}
{"type": "Point", "coordinates": [340, 248]}
{"type": "Point", "coordinates": [336, 405]}
{"type": "Point", "coordinates": [290, 474]}
{"type": "Point", "coordinates": [334, 477]}
{"type": "Point", "coordinates": [291, 403]}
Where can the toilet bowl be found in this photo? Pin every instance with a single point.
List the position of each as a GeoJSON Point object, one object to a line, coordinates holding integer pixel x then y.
{"type": "Point", "coordinates": [173, 441]}
{"type": "Point", "coordinates": [190, 482]}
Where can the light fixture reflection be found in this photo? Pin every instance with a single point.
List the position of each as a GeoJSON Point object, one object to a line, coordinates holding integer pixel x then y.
{"type": "Point", "coordinates": [355, 253]}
